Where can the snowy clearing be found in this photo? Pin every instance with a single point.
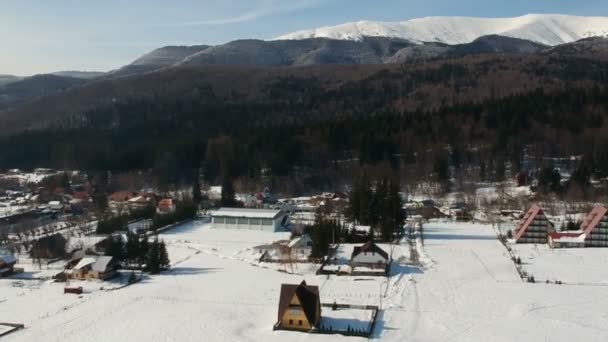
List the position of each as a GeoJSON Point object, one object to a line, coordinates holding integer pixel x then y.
{"type": "Point", "coordinates": [569, 265]}
{"type": "Point", "coordinates": [217, 292]}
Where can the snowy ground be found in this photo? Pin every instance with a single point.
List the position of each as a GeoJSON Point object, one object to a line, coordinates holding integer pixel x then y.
{"type": "Point", "coordinates": [472, 293]}
{"type": "Point", "coordinates": [7, 209]}
{"type": "Point", "coordinates": [469, 291]}
{"type": "Point", "coordinates": [569, 265]}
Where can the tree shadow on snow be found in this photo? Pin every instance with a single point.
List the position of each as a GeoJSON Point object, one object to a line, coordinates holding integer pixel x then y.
{"type": "Point", "coordinates": [397, 269]}
{"type": "Point", "coordinates": [190, 271]}
{"type": "Point", "coordinates": [379, 327]}
{"type": "Point", "coordinates": [187, 227]}
{"type": "Point", "coordinates": [453, 237]}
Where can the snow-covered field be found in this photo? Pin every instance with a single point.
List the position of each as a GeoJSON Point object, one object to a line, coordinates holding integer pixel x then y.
{"type": "Point", "coordinates": [568, 265]}
{"type": "Point", "coordinates": [216, 292]}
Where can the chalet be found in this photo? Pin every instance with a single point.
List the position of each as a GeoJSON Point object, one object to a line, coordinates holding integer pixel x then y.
{"type": "Point", "coordinates": [299, 307]}
{"type": "Point", "coordinates": [94, 267]}
{"type": "Point", "coordinates": [592, 233]}
{"type": "Point", "coordinates": [300, 246]}
{"type": "Point", "coordinates": [7, 262]}
{"type": "Point", "coordinates": [426, 209]}
{"type": "Point", "coordinates": [369, 255]}
{"type": "Point", "coordinates": [270, 220]}
{"type": "Point", "coordinates": [297, 249]}
{"type": "Point", "coordinates": [534, 227]}
{"type": "Point", "coordinates": [165, 206]}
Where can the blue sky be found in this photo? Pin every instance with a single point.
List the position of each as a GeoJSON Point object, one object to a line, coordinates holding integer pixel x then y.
{"type": "Point", "coordinates": [49, 35]}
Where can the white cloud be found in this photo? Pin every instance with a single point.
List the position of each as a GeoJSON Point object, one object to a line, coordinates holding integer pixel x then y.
{"type": "Point", "coordinates": [263, 9]}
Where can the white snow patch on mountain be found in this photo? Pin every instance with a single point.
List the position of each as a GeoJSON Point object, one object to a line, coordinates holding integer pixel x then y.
{"type": "Point", "coordinates": [548, 29]}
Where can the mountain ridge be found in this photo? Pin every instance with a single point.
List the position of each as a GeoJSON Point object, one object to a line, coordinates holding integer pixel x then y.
{"type": "Point", "coordinates": [547, 29]}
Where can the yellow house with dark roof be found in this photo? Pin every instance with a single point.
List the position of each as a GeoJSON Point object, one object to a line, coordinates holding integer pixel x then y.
{"type": "Point", "coordinates": [299, 307]}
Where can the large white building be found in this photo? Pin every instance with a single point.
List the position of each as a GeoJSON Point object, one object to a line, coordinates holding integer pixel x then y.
{"type": "Point", "coordinates": [271, 220]}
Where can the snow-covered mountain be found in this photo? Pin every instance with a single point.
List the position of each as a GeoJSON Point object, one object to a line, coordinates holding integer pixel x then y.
{"type": "Point", "coordinates": [548, 29]}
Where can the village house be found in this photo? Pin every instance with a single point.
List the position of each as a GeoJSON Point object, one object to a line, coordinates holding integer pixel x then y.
{"type": "Point", "coordinates": [297, 249]}
{"type": "Point", "coordinates": [165, 206]}
{"type": "Point", "coordinates": [94, 267]}
{"type": "Point", "coordinates": [426, 209]}
{"type": "Point", "coordinates": [7, 262]}
{"type": "Point", "coordinates": [299, 307]}
{"type": "Point", "coordinates": [534, 227]}
{"type": "Point", "coordinates": [140, 201]}
{"type": "Point", "coordinates": [270, 220]}
{"type": "Point", "coordinates": [369, 255]}
{"type": "Point", "coordinates": [121, 196]}
{"type": "Point", "coordinates": [592, 233]}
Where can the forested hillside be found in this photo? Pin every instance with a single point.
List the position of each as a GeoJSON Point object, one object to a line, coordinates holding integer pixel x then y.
{"type": "Point", "coordinates": [316, 125]}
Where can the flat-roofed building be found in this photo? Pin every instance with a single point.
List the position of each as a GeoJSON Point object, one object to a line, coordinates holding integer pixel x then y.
{"type": "Point", "coordinates": [271, 220]}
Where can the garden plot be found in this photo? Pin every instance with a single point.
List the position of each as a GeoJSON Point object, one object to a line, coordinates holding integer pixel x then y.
{"type": "Point", "coordinates": [347, 320]}
{"type": "Point", "coordinates": [568, 265]}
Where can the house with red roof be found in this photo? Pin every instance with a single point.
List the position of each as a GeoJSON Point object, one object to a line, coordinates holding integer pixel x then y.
{"type": "Point", "coordinates": [593, 232]}
{"type": "Point", "coordinates": [534, 227]}
{"type": "Point", "coordinates": [165, 206]}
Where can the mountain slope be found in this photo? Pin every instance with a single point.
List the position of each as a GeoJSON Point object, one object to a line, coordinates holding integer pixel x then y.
{"type": "Point", "coordinates": [157, 59]}
{"type": "Point", "coordinates": [15, 93]}
{"type": "Point", "coordinates": [596, 47]}
{"type": "Point", "coordinates": [6, 79]}
{"type": "Point", "coordinates": [302, 52]}
{"type": "Point", "coordinates": [85, 75]}
{"type": "Point", "coordinates": [547, 29]}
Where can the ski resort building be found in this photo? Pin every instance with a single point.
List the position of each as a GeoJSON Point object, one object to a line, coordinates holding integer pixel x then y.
{"type": "Point", "coordinates": [299, 307]}
{"type": "Point", "coordinates": [593, 232]}
{"type": "Point", "coordinates": [369, 255]}
{"type": "Point", "coordinates": [534, 227]}
{"type": "Point", "coordinates": [250, 219]}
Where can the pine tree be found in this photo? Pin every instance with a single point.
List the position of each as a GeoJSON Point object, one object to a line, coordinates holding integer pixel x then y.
{"type": "Point", "coordinates": [116, 248]}
{"type": "Point", "coordinates": [228, 198]}
{"type": "Point", "coordinates": [132, 248]}
{"type": "Point", "coordinates": [165, 263]}
{"type": "Point", "coordinates": [378, 216]}
{"type": "Point", "coordinates": [144, 247]}
{"type": "Point", "coordinates": [197, 197]}
{"type": "Point", "coordinates": [153, 258]}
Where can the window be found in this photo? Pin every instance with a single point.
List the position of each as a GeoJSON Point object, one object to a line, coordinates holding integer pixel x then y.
{"type": "Point", "coordinates": [300, 322]}
{"type": "Point", "coordinates": [291, 322]}
{"type": "Point", "coordinates": [230, 220]}
{"type": "Point", "coordinates": [255, 221]}
{"type": "Point", "coordinates": [267, 222]}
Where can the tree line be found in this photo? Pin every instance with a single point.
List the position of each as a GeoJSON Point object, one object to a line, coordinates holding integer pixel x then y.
{"type": "Point", "coordinates": [137, 251]}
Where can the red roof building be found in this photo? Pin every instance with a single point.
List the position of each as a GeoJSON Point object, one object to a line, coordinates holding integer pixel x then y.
{"type": "Point", "coordinates": [593, 232]}
{"type": "Point", "coordinates": [165, 206]}
{"type": "Point", "coordinates": [121, 196]}
{"type": "Point", "coordinates": [534, 227]}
